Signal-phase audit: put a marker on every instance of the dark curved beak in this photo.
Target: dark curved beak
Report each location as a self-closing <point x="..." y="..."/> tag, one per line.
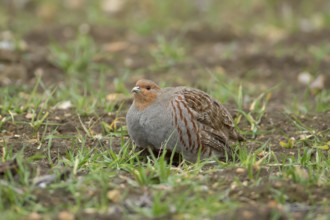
<point x="136" y="89"/>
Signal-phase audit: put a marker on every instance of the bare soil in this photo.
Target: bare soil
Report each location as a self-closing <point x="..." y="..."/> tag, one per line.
<point x="206" y="48"/>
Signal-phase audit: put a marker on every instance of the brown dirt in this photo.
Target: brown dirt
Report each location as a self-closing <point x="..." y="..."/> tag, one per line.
<point x="205" y="50"/>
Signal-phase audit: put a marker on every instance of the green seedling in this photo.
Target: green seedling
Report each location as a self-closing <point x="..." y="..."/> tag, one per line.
<point x="257" y="112"/>
<point x="289" y="144"/>
<point x="38" y="119"/>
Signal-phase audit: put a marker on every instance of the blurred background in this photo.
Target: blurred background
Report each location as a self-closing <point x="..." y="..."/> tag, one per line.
<point x="211" y="44"/>
<point x="66" y="71"/>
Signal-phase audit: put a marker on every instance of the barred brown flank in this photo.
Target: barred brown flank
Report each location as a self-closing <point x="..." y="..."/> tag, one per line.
<point x="173" y="113"/>
<point x="188" y="132"/>
<point x="185" y="124"/>
<point x="176" y="125"/>
<point x="194" y="125"/>
<point x="180" y="110"/>
<point x="191" y="115"/>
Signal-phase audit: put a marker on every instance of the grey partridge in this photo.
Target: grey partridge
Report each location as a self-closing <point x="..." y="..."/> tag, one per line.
<point x="183" y="119"/>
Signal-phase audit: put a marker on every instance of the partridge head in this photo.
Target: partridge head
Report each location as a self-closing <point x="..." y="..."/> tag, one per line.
<point x="183" y="119"/>
<point x="145" y="93"/>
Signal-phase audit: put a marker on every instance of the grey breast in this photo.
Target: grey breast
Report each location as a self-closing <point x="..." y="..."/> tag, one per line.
<point x="153" y="126"/>
<point x="157" y="122"/>
<point x="135" y="130"/>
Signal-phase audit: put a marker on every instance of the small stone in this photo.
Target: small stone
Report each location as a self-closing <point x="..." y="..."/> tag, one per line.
<point x="233" y="185"/>
<point x="302" y="173"/>
<point x="65" y="215"/>
<point x="114" y="195"/>
<point x="240" y="170"/>
<point x="247" y="214"/>
<point x="272" y="204"/>
<point x="63" y="105"/>
<point x="29" y="115"/>
<point x="34" y="216"/>
<point x="115" y="46"/>
<point x="278" y="185"/>
<point x="39" y="72"/>
<point x="112" y="6"/>
<point x="305" y="78"/>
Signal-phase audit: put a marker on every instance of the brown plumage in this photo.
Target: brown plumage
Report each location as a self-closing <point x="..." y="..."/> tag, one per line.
<point x="180" y="118"/>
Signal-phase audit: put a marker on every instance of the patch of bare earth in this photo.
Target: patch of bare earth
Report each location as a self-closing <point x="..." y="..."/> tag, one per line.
<point x="206" y="51"/>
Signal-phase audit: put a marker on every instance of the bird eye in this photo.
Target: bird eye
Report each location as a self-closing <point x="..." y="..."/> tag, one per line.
<point x="148" y="87"/>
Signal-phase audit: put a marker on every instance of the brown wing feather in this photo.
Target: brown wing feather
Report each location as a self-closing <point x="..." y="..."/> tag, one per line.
<point x="215" y="121"/>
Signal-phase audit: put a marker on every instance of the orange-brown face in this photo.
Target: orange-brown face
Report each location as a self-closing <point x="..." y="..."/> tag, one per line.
<point x="145" y="93"/>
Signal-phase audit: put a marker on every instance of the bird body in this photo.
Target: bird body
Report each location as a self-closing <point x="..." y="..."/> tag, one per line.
<point x="183" y="119"/>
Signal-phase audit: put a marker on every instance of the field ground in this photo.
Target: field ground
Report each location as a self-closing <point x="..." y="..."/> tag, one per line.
<point x="66" y="69"/>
